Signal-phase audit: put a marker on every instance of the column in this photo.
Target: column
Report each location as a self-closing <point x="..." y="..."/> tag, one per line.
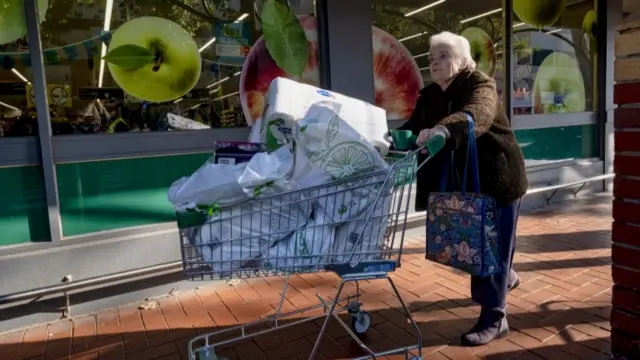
<point x="625" y="315"/>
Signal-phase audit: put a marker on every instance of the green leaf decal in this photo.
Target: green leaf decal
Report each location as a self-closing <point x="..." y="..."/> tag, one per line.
<point x="332" y="130"/>
<point x="284" y="37"/>
<point x="304" y="128"/>
<point x="130" y="57"/>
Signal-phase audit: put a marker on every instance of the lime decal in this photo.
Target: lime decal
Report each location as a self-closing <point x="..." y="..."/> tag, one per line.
<point x="284" y="37"/>
<point x="130" y="57"/>
<point x="348" y="159"/>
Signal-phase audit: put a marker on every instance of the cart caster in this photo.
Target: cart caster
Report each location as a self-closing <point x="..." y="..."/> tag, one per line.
<point x="361" y="322"/>
<point x="416" y="358"/>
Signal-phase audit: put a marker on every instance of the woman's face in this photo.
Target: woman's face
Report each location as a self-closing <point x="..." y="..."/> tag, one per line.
<point x="442" y="64"/>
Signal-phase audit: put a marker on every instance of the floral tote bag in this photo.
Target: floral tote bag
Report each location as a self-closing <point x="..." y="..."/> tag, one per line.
<point x="462" y="227"/>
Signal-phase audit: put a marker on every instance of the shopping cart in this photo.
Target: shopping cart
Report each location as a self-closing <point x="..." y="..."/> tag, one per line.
<point x="357" y="244"/>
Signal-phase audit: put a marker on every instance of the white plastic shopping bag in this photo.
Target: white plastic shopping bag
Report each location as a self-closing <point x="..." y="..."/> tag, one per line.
<point x="210" y="184"/>
<point x="302" y="250"/>
<point x="369" y="245"/>
<point x="333" y="146"/>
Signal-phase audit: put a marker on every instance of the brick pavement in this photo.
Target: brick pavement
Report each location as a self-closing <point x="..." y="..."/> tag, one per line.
<point x="560" y="311"/>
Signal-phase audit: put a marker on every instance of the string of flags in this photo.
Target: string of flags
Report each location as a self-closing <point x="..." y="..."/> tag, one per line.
<point x="87" y="49"/>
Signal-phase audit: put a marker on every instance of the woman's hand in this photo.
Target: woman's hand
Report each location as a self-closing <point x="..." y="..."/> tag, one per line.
<point x="428" y="134"/>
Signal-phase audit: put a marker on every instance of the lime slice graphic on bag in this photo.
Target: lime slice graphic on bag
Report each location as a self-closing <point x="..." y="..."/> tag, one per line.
<point x="348" y="159"/>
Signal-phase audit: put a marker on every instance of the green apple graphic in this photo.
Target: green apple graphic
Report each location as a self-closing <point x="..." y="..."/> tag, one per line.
<point x="13" y="25"/>
<point x="539" y="13"/>
<point x="560" y="82"/>
<point x="154" y="59"/>
<point x="590" y="24"/>
<point x="482" y="49"/>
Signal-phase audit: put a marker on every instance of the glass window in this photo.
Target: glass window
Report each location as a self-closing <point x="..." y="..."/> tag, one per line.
<point x="16" y="108"/>
<point x="401" y="35"/>
<point x="554" y="57"/>
<point x="179" y="65"/>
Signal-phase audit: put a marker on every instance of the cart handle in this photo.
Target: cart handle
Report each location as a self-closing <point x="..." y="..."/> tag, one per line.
<point x="432" y="147"/>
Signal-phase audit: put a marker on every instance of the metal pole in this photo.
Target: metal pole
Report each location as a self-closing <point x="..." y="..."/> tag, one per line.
<point x="507" y="57"/>
<point x="322" y="21"/>
<point x="44" y="122"/>
<point x="155" y="270"/>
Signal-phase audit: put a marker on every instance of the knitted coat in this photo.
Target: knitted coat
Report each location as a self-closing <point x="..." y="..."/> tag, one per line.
<point x="503" y="175"/>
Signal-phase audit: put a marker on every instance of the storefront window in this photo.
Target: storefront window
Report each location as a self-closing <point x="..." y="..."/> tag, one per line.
<point x="554" y="57"/>
<point x="401" y="43"/>
<point x="16" y="115"/>
<point x="177" y="65"/>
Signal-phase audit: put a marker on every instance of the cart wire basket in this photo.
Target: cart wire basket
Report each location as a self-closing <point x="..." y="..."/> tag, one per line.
<point x="353" y="227"/>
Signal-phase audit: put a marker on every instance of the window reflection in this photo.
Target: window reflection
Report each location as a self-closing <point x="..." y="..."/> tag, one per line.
<point x="401" y="43"/>
<point x="554" y="58"/>
<point x="211" y="76"/>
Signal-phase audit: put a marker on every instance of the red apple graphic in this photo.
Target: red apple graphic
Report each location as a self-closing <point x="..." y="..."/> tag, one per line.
<point x="397" y="78"/>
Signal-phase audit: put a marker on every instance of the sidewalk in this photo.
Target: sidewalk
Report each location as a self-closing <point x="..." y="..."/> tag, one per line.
<point x="560" y="311"/>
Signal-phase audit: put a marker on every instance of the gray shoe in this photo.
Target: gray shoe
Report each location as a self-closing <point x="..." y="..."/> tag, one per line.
<point x="491" y="325"/>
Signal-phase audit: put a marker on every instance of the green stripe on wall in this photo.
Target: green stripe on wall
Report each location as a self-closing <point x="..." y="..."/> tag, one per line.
<point x="23" y="213"/>
<point x="113" y="194"/>
<point x="559" y="143"/>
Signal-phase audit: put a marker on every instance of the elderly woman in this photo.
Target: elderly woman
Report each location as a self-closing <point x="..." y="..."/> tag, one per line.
<point x="457" y="90"/>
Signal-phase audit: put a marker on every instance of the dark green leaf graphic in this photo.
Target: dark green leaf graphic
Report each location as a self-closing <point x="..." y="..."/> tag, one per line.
<point x="130" y="57"/>
<point x="284" y="37"/>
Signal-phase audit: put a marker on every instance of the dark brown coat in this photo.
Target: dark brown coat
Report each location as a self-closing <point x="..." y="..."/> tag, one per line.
<point x="501" y="162"/>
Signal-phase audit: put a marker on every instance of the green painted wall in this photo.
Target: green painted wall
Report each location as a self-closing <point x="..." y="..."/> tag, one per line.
<point x="106" y="195"/>
<point x="570" y="142"/>
<point x="112" y="194"/>
<point x="23" y="214"/>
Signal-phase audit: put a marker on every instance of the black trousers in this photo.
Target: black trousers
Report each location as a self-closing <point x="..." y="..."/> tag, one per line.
<point x="491" y="292"/>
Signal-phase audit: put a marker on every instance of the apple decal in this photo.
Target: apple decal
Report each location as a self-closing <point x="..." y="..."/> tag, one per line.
<point x="558" y="86"/>
<point x="153" y="59"/>
<point x="539" y="13"/>
<point x="590" y="24"/>
<point x="13" y="25"/>
<point x="397" y="78"/>
<point x="482" y="49"/>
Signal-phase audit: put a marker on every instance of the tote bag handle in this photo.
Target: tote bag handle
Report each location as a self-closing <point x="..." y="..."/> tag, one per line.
<point x="471" y="161"/>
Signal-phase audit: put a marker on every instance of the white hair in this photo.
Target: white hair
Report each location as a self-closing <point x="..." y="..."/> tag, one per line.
<point x="459" y="46"/>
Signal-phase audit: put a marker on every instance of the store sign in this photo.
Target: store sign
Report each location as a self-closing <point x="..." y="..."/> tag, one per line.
<point x="58" y="95"/>
<point x="233" y="41"/>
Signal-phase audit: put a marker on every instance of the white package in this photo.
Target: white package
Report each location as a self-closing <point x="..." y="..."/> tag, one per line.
<point x="304" y="249"/>
<point x="265" y="168"/>
<point x="288" y="101"/>
<point x="335" y="147"/>
<point x="210" y="184"/>
<point x="236" y="235"/>
<point x="373" y="233"/>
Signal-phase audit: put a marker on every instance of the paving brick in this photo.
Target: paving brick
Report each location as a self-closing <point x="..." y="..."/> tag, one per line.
<point x="560" y="311"/>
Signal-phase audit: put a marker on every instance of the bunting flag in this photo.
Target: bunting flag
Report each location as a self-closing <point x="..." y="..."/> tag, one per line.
<point x="82" y="50"/>
<point x="87" y="49"/>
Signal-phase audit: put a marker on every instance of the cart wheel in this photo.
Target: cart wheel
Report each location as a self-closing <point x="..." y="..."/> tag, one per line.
<point x="416" y="358"/>
<point x="361" y="322"/>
